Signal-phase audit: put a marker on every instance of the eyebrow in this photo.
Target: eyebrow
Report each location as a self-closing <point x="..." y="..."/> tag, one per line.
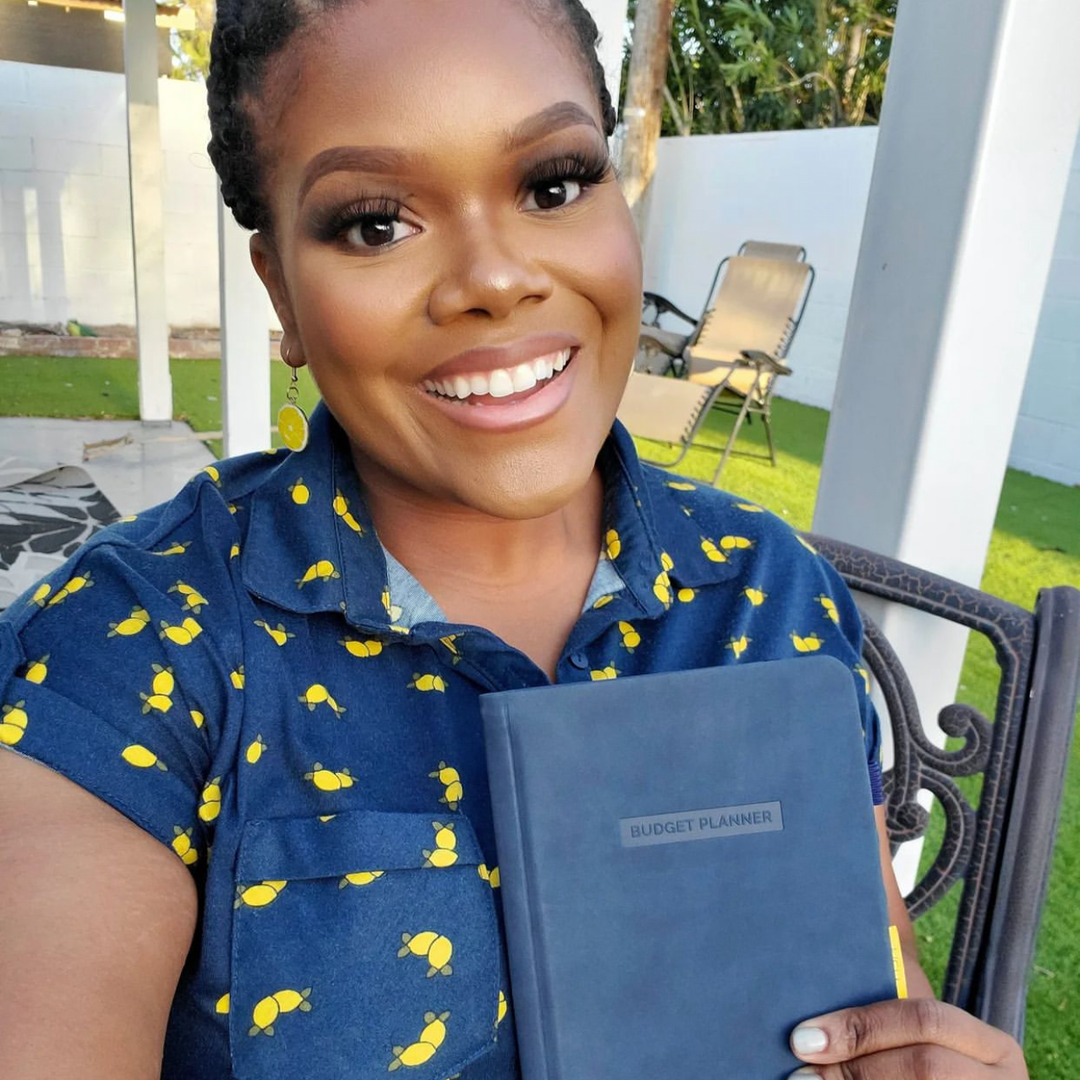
<point x="388" y="160"/>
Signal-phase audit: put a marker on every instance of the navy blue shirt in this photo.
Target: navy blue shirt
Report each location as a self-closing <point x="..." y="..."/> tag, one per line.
<point x="248" y="675"/>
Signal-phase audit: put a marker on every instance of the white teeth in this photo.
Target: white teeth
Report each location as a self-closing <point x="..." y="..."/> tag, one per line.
<point x="503" y="381"/>
<point x="500" y="384"/>
<point x="524" y="377"/>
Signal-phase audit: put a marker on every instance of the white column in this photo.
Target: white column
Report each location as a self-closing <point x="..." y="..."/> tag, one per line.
<point x="245" y="336"/>
<point x="972" y="162"/>
<point x="147" y="209"/>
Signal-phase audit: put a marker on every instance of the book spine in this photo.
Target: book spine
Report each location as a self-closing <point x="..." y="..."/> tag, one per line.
<point x="524" y="948"/>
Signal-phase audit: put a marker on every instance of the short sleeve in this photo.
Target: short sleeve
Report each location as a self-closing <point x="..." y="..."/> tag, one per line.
<point x="111" y="674"/>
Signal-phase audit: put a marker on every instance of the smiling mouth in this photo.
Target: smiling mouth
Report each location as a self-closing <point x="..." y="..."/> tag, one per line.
<point x="487" y="387"/>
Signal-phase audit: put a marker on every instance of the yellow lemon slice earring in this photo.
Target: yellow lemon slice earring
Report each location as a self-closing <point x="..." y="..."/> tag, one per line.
<point x="292" y="420"/>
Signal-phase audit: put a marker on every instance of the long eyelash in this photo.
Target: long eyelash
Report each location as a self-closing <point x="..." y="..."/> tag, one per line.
<point x="584" y="167"/>
<point x="331" y="225"/>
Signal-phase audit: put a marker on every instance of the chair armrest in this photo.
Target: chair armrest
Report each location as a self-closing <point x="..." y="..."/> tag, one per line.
<point x="664" y="306"/>
<point x="763" y="361"/>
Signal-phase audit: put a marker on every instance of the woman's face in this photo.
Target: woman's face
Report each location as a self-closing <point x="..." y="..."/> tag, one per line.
<point x="447" y="224"/>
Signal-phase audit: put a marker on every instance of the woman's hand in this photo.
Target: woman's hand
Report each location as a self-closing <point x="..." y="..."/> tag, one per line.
<point x="915" y="1039"/>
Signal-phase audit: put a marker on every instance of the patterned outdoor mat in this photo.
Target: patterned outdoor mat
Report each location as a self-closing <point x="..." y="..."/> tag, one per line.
<point x="44" y="517"/>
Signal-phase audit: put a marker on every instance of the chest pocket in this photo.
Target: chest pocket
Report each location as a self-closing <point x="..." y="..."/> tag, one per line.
<point x="363" y="943"/>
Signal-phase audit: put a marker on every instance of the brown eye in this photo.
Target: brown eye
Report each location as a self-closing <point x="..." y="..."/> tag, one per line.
<point x="553" y="194"/>
<point x="373" y="232"/>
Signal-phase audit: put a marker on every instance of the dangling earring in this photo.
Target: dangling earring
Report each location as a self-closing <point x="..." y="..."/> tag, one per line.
<point x="292" y="421"/>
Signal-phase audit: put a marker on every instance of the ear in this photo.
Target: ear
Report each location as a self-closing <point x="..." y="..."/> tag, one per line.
<point x="267" y="263"/>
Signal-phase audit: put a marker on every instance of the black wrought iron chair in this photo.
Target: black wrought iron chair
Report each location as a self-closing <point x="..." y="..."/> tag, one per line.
<point x="1001" y="849"/>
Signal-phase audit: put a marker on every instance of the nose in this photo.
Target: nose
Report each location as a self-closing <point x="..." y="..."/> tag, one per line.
<point x="488" y="275"/>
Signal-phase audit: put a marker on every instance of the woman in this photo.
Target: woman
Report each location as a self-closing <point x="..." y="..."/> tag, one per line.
<point x="246" y="824"/>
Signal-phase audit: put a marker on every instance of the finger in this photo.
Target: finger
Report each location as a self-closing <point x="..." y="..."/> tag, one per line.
<point x="922" y="1062"/>
<point x="887" y="1025"/>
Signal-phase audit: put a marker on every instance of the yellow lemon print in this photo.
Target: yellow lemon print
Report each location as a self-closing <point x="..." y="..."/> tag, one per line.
<point x="183" y="634"/>
<point x="292" y="426"/>
<point x="210" y="806"/>
<point x="299" y="492"/>
<point x="452" y="781"/>
<point x="393" y="610"/>
<point x="755" y="596"/>
<point x="865" y="676"/>
<point x="612" y="544"/>
<point x="662" y="588"/>
<point x="255" y="750"/>
<point x="631" y="639"/>
<point x="40" y="594"/>
<point x="431" y="945"/>
<point x="212" y="472"/>
<point x="829" y="604"/>
<point x="712" y="552"/>
<point x="738" y="645"/>
<point x="164" y="681"/>
<point x="341" y="508"/>
<point x="503" y="1005"/>
<point x="431" y="1038"/>
<point x="323" y="570"/>
<point x="483" y="871"/>
<point x="327" y="779"/>
<point x="494" y="878"/>
<point x="177" y="547"/>
<point x="161" y="703"/>
<point x="750" y="508"/>
<point x="602" y="601"/>
<point x="132" y="625"/>
<point x="237" y="677"/>
<point x="735" y="543"/>
<point x="685" y="595"/>
<point x="258" y="895"/>
<point x="445" y="844"/>
<point x="810" y="643"/>
<point x="317" y="694"/>
<point x="221" y="1007"/>
<point x="666" y="562"/>
<point x="599" y="674"/>
<point x="278" y="634"/>
<point x="809" y="547"/>
<point x="448" y="641"/>
<point x="327" y="817"/>
<point x="37" y="670"/>
<point x="270" y="1008"/>
<point x="183" y="847"/>
<point x="362" y="649"/>
<point x="427" y="682"/>
<point x="681" y="485"/>
<point x="193" y="599"/>
<point x="360" y="878"/>
<point x="141" y="758"/>
<point x="234" y="551"/>
<point x="13" y="721"/>
<point x="76" y="584"/>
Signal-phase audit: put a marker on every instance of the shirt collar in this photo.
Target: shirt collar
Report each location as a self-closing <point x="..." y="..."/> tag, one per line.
<point x="311" y="546"/>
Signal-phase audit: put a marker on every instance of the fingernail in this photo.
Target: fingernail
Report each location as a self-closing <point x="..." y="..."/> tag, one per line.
<point x="809" y="1040"/>
<point x="804" y="1074"/>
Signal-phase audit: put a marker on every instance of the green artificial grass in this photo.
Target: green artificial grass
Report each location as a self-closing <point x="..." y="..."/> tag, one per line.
<point x="1036" y="542"/>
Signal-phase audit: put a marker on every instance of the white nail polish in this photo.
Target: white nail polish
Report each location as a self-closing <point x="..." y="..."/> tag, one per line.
<point x="809" y="1040"/>
<point x="804" y="1074"/>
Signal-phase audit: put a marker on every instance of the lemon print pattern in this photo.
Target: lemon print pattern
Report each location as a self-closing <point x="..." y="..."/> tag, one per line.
<point x="444" y="853"/>
<point x="491" y="876"/>
<point x="13" y="723"/>
<point x="36" y="670"/>
<point x="757" y="597"/>
<point x="299" y="492"/>
<point x="631" y="639"/>
<point x="193" y="599"/>
<point x="259" y="895"/>
<point x="612" y="544"/>
<point x="179" y="633"/>
<point x="76" y="584"/>
<point x="431" y="1038"/>
<point x="161" y="687"/>
<point x="360" y="878"/>
<point x="177" y="547"/>
<point x="277" y="634"/>
<point x="712" y="552"/>
<point x="829" y="606"/>
<point x="738" y="645"/>
<point x="448" y="776"/>
<point x="141" y="758"/>
<point x="210" y="802"/>
<point x="255" y="750"/>
<point x="40" y="594"/>
<point x="268" y="1009"/>
<point x="341" y="508"/>
<point x="602" y="601"/>
<point x="810" y="643"/>
<point x="500" y="1014"/>
<point x="183" y="846"/>
<point x="608" y="672"/>
<point x="681" y="485"/>
<point x="861" y="671"/>
<point x="433" y="946"/>
<point x="328" y="779"/>
<point x="317" y="694"/>
<point x="221" y="1006"/>
<point x="323" y="570"/>
<point x="428" y="682"/>
<point x="237" y="678"/>
<point x="361" y="649"/>
<point x="135" y="623"/>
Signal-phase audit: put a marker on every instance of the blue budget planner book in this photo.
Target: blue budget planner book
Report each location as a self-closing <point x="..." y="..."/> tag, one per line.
<point x="689" y="867"/>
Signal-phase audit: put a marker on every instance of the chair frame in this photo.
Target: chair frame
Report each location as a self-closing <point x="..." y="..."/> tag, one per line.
<point x="1001" y="850"/>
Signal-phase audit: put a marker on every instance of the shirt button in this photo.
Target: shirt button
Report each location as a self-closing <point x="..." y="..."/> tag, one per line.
<point x="579" y="660"/>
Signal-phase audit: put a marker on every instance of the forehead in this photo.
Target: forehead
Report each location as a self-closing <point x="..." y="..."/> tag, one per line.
<point x="423" y="75"/>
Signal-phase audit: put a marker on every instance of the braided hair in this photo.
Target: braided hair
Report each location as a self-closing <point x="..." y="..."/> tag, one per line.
<point x="248" y="33"/>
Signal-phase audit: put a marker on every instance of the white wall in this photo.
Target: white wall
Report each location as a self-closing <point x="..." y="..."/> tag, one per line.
<point x="65" y="212"/>
<point x="711" y="192"/>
